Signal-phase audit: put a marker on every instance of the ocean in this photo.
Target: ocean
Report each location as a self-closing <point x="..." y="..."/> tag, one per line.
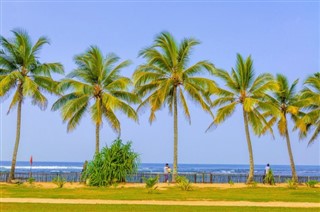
<point x="68" y="167"/>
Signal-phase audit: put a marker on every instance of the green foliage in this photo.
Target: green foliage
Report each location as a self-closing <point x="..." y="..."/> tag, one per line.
<point x="291" y="184"/>
<point x="269" y="178"/>
<point x="96" y="86"/>
<point x="309" y="123"/>
<point x="112" y="164"/>
<point x="252" y="184"/>
<point x="151" y="183"/>
<point x="231" y="183"/>
<point x="312" y="183"/>
<point x="166" y="79"/>
<point x="59" y="181"/>
<point x="247" y="91"/>
<point x="183" y="183"/>
<point x="30" y="180"/>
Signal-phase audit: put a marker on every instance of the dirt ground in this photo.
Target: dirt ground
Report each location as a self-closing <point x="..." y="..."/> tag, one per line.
<point x="156" y="202"/>
<point x="160" y="185"/>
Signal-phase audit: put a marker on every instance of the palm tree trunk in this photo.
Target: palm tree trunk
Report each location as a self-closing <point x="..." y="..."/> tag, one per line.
<point x="16" y="145"/>
<point x="293" y="168"/>
<point x="175" y="136"/>
<point x="97" y="138"/>
<point x="251" y="171"/>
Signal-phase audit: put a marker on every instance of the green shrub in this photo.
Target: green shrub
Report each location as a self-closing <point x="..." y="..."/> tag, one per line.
<point x="291" y="184"/>
<point x="59" y="181"/>
<point x="151" y="183"/>
<point x="269" y="178"/>
<point x="111" y="165"/>
<point x="253" y="184"/>
<point x="30" y="180"/>
<point x="231" y="183"/>
<point x="312" y="183"/>
<point x="183" y="183"/>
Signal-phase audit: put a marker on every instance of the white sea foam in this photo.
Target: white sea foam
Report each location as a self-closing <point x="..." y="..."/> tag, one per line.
<point x="42" y="167"/>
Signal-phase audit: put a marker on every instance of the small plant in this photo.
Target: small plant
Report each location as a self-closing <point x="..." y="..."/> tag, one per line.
<point x="291" y="184"/>
<point x="115" y="182"/>
<point x="151" y="183"/>
<point x="311" y="183"/>
<point x="59" y="181"/>
<point x="269" y="178"/>
<point x="183" y="183"/>
<point x="231" y="183"/>
<point x="253" y="184"/>
<point x="30" y="180"/>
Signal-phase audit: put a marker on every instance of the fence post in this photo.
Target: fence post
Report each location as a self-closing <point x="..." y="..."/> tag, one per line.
<point x="210" y="177"/>
<point x="195" y="178"/>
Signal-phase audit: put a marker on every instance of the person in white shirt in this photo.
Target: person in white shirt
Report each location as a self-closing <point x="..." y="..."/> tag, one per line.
<point x="166" y="171"/>
<point x="266" y="171"/>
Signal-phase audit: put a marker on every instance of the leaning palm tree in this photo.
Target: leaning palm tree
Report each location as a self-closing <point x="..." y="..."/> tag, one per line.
<point x="166" y="79"/>
<point x="311" y="119"/>
<point x="245" y="90"/>
<point x="286" y="102"/>
<point x="99" y="83"/>
<point x="21" y="70"/>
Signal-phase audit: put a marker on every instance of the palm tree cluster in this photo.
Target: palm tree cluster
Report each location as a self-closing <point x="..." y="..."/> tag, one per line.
<point x="165" y="79"/>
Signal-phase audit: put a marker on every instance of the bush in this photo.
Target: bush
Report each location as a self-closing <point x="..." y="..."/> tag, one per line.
<point x="269" y="178"/>
<point x="291" y="184"/>
<point x="183" y="183"/>
<point x="151" y="183"/>
<point x="59" y="181"/>
<point x="30" y="180"/>
<point x="111" y="165"/>
<point x="231" y="183"/>
<point x="253" y="184"/>
<point x="312" y="183"/>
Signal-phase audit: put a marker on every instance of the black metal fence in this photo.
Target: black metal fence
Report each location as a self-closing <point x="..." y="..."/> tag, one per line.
<point x="138" y="178"/>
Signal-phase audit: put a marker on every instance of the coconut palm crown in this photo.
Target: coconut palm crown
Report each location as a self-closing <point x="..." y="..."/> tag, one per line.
<point x="99" y="88"/>
<point x="166" y="79"/>
<point x="21" y="72"/>
<point x="244" y="89"/>
<point x="310" y="122"/>
<point x="286" y="102"/>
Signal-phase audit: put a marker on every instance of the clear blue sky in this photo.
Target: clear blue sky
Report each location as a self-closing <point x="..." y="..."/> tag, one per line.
<point x="282" y="37"/>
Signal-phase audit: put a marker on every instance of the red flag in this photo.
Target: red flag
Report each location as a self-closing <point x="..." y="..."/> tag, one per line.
<point x="31" y="160"/>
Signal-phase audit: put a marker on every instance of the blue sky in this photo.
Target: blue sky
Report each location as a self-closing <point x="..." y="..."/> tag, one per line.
<point x="281" y="36"/>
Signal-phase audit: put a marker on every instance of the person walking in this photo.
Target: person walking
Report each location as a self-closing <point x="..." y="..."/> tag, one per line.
<point x="266" y="171"/>
<point x="166" y="171"/>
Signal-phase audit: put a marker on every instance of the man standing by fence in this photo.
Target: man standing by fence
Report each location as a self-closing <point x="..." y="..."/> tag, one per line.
<point x="166" y="171"/>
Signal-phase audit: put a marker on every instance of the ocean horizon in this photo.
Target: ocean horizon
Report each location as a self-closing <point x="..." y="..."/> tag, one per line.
<point x="67" y="167"/>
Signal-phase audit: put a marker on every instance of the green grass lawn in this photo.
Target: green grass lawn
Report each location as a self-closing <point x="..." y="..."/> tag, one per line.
<point x="257" y="194"/>
<point x="28" y="207"/>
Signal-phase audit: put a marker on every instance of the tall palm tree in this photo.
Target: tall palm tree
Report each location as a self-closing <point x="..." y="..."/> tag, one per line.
<point x="286" y="102"/>
<point x="166" y="79"/>
<point x="99" y="83"/>
<point x="311" y="119"/>
<point x="21" y="70"/>
<point x="245" y="90"/>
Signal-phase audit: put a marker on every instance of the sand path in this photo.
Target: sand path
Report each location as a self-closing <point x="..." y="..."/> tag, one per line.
<point x="155" y="202"/>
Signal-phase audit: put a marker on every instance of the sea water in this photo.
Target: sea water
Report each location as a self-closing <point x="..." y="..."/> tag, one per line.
<point x="67" y="167"/>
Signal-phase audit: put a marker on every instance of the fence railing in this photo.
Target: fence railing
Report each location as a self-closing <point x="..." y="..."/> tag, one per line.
<point x="138" y="178"/>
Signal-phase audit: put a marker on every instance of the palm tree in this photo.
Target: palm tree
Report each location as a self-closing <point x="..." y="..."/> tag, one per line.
<point x="248" y="91"/>
<point x="285" y="101"/>
<point x="21" y="70"/>
<point x="99" y="82"/>
<point x="166" y="79"/>
<point x="311" y="119"/>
